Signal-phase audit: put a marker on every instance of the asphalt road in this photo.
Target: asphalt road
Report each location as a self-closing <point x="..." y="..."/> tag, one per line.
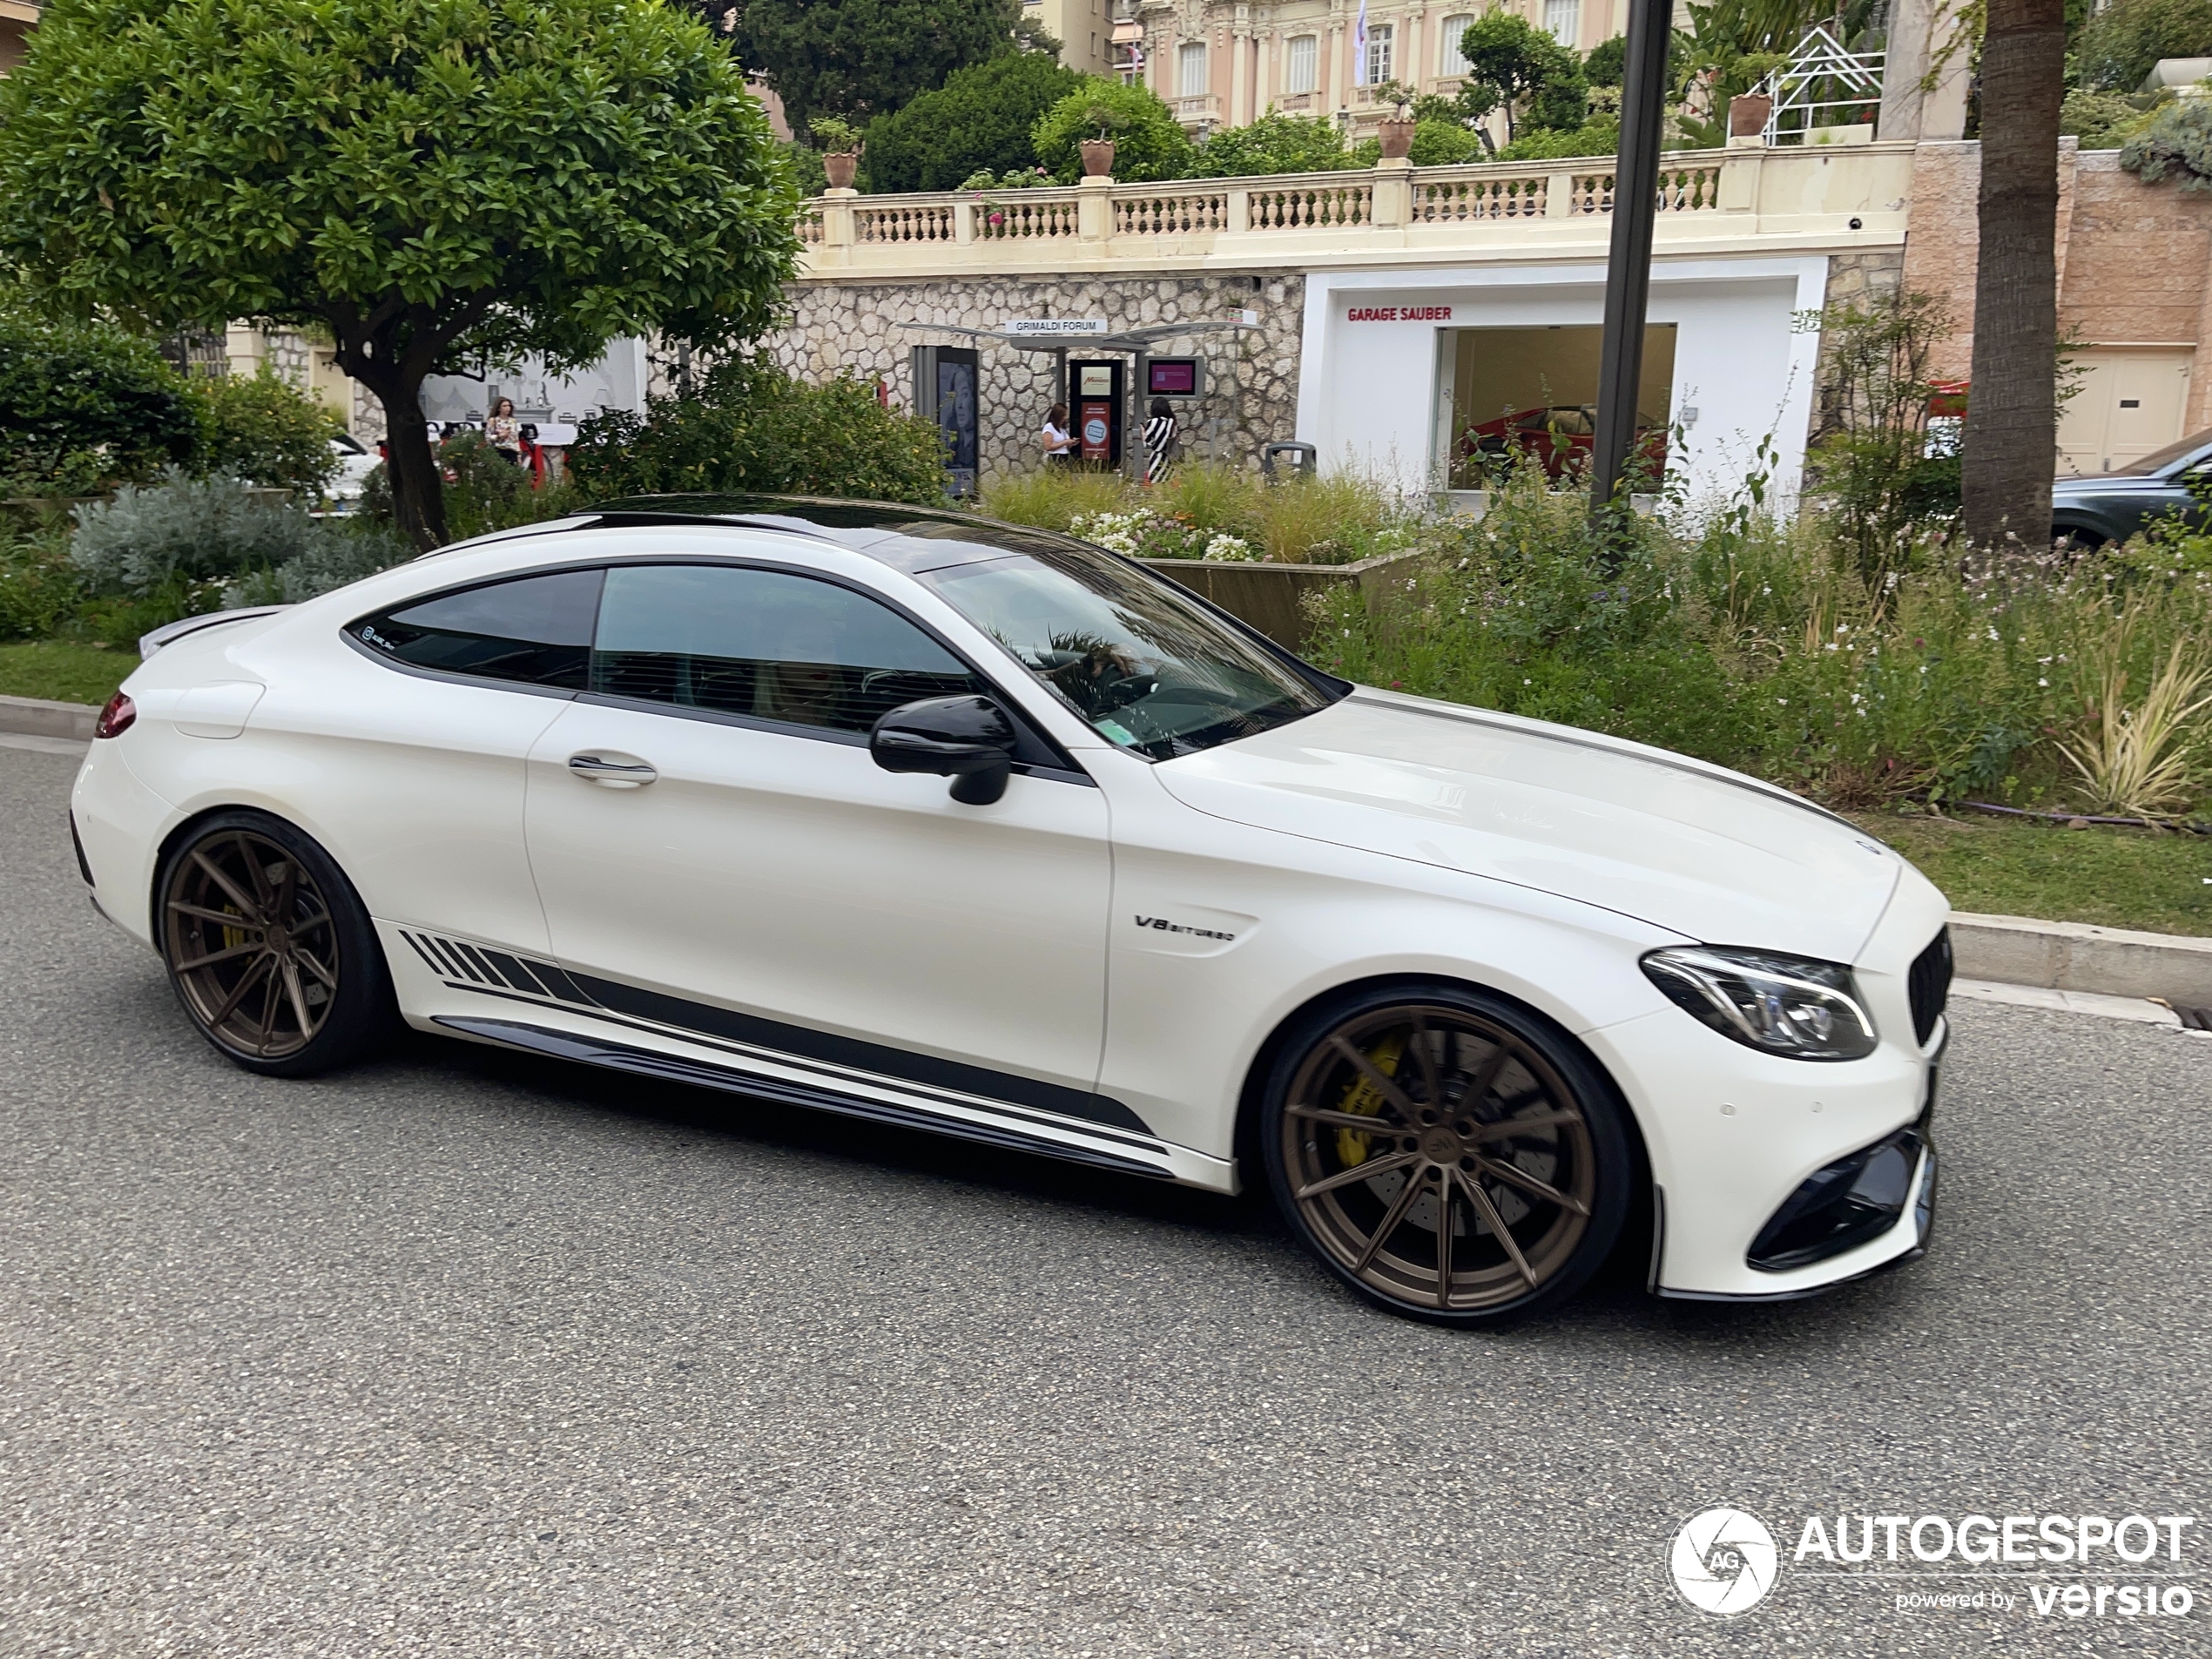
<point x="459" y="1354"/>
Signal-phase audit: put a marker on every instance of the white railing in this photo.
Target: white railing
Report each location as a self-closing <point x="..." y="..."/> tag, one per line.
<point x="1308" y="201"/>
<point x="1163" y="210"/>
<point x="1023" y="213"/>
<point x="903" y="219"/>
<point x="1392" y="206"/>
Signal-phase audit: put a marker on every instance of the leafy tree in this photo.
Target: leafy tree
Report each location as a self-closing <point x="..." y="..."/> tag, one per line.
<point x="1607" y="62"/>
<point x="85" y="406"/>
<point x="1601" y="137"/>
<point x="753" y="427"/>
<point x="439" y="183"/>
<point x="1149" y="142"/>
<point x="2120" y="46"/>
<point x="1275" y="142"/>
<point x="1515" y="66"/>
<point x="1445" y="143"/>
<point x="978" y="121"/>
<point x="264" y="431"/>
<point x="867" y="57"/>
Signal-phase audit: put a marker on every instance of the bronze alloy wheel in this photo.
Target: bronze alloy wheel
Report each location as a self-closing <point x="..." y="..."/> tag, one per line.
<point x="250" y="943"/>
<point x="1439" y="1158"/>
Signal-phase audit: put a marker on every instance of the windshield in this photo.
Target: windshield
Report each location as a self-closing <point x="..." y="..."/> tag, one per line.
<point x="2158" y="459"/>
<point x="1146" y="667"/>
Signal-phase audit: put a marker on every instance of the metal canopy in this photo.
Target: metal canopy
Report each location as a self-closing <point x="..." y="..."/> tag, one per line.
<point x="1136" y="342"/>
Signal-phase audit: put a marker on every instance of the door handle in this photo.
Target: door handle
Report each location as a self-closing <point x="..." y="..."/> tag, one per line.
<point x="617" y="774"/>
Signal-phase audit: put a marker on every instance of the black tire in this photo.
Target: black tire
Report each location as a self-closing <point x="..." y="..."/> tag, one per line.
<point x="1489" y="1062"/>
<point x="269" y="948"/>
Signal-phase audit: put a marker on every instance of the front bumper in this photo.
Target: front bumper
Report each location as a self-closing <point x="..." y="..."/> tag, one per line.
<point x="1732" y="1134"/>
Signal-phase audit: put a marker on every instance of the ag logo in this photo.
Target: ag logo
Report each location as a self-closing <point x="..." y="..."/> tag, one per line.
<point x="1723" y="1562"/>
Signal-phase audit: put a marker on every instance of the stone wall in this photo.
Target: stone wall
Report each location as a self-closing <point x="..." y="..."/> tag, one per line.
<point x="867" y="328"/>
<point x="2133" y="259"/>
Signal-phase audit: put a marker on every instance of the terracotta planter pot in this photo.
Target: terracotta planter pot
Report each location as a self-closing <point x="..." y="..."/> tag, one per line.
<point x="839" y="166"/>
<point x="1397" y="137"/>
<point x="1098" y="158"/>
<point x="1746" y="115"/>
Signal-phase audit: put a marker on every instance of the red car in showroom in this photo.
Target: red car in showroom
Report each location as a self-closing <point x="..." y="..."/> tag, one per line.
<point x="1559" y="436"/>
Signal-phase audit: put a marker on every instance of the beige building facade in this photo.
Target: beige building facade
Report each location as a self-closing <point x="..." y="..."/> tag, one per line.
<point x="1083" y="27"/>
<point x="1225" y="62"/>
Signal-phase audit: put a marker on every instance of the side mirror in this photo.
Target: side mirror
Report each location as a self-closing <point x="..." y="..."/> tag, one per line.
<point x="969" y="739"/>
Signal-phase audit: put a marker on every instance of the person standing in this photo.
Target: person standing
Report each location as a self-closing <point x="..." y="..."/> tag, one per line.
<point x="1161" y="449"/>
<point x="1059" y="441"/>
<point x="504" y="432"/>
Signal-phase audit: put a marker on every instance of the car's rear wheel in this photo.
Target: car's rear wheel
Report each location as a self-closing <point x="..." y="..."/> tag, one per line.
<point x="269" y="948"/>
<point x="1445" y="1153"/>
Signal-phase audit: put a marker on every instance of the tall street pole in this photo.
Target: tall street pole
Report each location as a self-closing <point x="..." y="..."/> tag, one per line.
<point x="1627" y="275"/>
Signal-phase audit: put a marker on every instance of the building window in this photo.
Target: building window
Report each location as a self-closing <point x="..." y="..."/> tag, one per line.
<point x="1378" y="53"/>
<point x="1192" y="59"/>
<point x="1563" y="20"/>
<point x="1303" y="73"/>
<point x="1450" y="61"/>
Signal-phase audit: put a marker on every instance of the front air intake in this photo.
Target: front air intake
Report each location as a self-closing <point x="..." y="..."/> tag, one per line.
<point x="1928" y="983"/>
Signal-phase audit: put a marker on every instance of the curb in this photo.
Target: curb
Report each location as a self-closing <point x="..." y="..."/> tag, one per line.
<point x="35" y="716"/>
<point x="2012" y="950"/>
<point x="2074" y="956"/>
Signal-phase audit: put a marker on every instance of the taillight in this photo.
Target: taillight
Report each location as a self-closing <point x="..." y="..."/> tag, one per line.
<point x="115" y="719"/>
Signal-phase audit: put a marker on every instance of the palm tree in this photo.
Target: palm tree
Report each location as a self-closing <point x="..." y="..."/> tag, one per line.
<point x="2012" y="415"/>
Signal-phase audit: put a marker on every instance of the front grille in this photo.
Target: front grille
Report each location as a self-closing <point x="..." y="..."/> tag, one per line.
<point x="1929" y="984"/>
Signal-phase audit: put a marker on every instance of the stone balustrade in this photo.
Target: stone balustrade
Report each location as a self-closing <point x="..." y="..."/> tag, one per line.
<point x="1734" y="200"/>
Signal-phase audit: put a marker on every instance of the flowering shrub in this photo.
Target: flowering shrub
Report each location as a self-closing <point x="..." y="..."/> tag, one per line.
<point x="1144" y="533"/>
<point x="1947" y="676"/>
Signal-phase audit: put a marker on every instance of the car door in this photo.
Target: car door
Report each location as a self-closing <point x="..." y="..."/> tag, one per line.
<point x="716" y="850"/>
<point x="408" y="753"/>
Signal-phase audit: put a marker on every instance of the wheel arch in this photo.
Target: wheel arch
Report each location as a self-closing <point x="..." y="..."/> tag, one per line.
<point x="1246" y="1138"/>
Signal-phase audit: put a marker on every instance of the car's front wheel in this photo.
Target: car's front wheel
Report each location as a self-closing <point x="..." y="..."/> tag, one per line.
<point x="1445" y="1153"/>
<point x="269" y="948"/>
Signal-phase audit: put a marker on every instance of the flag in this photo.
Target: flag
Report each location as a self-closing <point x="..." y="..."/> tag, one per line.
<point x="1359" y="47"/>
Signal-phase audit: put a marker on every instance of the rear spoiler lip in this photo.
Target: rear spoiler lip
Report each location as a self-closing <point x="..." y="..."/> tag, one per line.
<point x="170" y="633"/>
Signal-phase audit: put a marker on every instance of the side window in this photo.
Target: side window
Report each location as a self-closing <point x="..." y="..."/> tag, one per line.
<point x="762" y="643"/>
<point x="534" y="629"/>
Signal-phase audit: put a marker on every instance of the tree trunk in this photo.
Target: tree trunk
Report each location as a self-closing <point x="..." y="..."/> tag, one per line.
<point x="418" y="487"/>
<point x="2011" y="409"/>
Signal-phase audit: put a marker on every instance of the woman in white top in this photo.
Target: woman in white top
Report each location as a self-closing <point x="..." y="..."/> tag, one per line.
<point x="1160" y="454"/>
<point x="1059" y="442"/>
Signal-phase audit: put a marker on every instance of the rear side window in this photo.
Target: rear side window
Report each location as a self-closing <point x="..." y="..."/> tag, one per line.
<point x="764" y="645"/>
<point x="533" y="631"/>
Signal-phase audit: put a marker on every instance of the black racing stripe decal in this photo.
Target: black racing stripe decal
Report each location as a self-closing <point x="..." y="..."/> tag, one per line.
<point x="468" y="953"/>
<point x="456" y="965"/>
<point x="861" y="1056"/>
<point x="514" y="971"/>
<point x="562" y="986"/>
<point x="436" y="966"/>
<point x="838" y="1078"/>
<point x="644" y="1062"/>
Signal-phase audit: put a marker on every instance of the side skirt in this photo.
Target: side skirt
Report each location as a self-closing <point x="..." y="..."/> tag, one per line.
<point x="617" y="1056"/>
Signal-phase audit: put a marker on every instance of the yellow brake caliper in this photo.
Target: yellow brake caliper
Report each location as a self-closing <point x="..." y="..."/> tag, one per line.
<point x="1363" y="1099"/>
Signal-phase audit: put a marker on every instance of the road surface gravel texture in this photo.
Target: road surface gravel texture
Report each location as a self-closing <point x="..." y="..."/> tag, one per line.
<point x="467" y="1354"/>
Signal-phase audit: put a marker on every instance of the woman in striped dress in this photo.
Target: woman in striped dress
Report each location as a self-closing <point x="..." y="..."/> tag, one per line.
<point x="1160" y="445"/>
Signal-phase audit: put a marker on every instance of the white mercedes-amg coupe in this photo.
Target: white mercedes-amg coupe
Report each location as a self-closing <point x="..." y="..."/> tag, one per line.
<point x="663" y="787"/>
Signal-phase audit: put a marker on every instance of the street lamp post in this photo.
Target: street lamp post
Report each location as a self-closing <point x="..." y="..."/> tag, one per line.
<point x="1628" y="276"/>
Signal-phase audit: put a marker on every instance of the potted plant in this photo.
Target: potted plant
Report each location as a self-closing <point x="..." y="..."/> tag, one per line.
<point x="1098" y="152"/>
<point x="1396" y="132"/>
<point x="839" y="142"/>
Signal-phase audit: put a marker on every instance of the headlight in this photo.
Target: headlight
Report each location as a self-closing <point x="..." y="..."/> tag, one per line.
<point x="1784" y="1005"/>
